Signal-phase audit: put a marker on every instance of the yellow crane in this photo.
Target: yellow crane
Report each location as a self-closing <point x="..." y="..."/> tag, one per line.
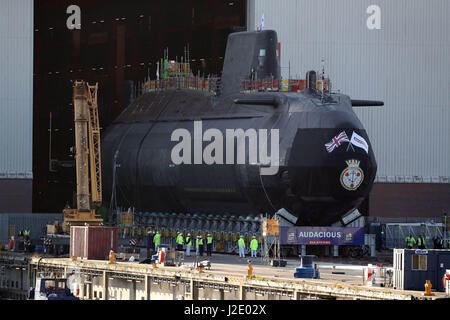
<point x="87" y="158"/>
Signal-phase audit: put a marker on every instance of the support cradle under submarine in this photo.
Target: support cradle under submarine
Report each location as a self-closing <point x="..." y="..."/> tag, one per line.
<point x="322" y="173"/>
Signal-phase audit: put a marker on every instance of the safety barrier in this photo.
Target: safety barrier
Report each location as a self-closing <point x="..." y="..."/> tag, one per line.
<point x="225" y="230"/>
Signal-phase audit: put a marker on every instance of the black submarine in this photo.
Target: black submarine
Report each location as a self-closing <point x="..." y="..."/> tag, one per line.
<point x="306" y="152"/>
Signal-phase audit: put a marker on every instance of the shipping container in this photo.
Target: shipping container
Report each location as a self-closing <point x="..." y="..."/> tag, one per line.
<point x="95" y="243"/>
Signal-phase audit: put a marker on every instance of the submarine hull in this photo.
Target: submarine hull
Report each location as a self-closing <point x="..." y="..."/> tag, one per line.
<point x="309" y="180"/>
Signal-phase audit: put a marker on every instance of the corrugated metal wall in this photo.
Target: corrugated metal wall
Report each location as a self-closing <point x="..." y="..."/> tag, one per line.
<point x="12" y="223"/>
<point x="16" y="89"/>
<point x="406" y="64"/>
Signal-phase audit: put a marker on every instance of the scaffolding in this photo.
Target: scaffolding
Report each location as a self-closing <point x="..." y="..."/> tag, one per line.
<point x="177" y="74"/>
<point x="271" y="239"/>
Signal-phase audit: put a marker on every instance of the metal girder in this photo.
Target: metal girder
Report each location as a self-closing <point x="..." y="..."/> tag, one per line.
<point x="94" y="146"/>
<point x="87" y="156"/>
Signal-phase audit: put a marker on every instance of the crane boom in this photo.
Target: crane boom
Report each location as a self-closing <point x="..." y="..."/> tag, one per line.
<point x="87" y="157"/>
<point x="94" y="143"/>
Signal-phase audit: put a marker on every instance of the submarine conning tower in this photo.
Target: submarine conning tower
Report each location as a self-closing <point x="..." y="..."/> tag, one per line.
<point x="249" y="56"/>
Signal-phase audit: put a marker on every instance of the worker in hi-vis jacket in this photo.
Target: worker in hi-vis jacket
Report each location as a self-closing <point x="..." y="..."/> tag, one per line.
<point x="241" y="244"/>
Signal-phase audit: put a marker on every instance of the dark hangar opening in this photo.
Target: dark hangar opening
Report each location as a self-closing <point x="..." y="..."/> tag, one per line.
<point x="118" y="45"/>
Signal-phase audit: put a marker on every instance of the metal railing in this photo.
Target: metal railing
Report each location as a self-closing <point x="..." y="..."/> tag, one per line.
<point x="210" y="84"/>
<point x="271" y="84"/>
<point x="397" y="232"/>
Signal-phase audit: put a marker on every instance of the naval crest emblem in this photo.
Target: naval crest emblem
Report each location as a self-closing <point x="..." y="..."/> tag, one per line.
<point x="352" y="176"/>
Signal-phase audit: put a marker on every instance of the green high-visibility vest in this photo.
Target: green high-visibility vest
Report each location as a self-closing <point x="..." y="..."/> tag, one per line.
<point x="180" y="239"/>
<point x="188" y="241"/>
<point x="199" y="243"/>
<point x="157" y="239"/>
<point x="241" y="242"/>
<point x="420" y="241"/>
<point x="254" y="244"/>
<point x="209" y="240"/>
<point x="410" y="241"/>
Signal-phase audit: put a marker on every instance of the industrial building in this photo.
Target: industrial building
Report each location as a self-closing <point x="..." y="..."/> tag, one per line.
<point x="16" y="94"/>
<point x="403" y="62"/>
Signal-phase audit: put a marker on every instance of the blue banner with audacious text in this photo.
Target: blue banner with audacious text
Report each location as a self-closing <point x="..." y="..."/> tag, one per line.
<point x="322" y="235"/>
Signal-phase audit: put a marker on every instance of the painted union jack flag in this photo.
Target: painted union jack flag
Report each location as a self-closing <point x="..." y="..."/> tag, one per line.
<point x="336" y="141"/>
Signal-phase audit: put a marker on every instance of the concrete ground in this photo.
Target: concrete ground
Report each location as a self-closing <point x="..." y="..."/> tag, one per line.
<point x="333" y="270"/>
<point x="350" y="272"/>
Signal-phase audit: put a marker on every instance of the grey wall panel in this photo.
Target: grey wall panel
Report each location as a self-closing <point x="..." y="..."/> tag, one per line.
<point x="35" y="222"/>
<point x="406" y="64"/>
<point x="15" y="195"/>
<point x="4" y="229"/>
<point x="16" y="88"/>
